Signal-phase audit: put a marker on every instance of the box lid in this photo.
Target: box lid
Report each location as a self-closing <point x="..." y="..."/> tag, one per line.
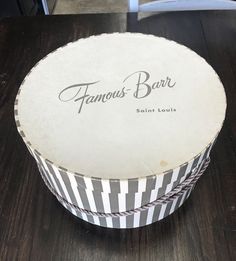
<point x="121" y="106"/>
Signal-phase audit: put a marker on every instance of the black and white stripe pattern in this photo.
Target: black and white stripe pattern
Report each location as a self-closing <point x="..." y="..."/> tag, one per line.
<point x="145" y="215"/>
<point x="139" y="219"/>
<point x="109" y="196"/>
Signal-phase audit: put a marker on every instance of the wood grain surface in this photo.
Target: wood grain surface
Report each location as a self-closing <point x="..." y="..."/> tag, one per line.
<point x="34" y="226"/>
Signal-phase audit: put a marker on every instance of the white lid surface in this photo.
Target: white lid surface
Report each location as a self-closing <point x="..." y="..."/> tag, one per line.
<point x="96" y="106"/>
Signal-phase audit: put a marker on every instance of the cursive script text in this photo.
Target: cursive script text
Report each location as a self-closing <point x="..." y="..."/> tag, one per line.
<point x="138" y="81"/>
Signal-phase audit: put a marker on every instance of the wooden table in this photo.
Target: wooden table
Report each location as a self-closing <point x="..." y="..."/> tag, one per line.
<point x="34" y="226"/>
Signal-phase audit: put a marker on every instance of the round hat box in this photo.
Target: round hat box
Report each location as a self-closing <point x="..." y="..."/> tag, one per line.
<point x="121" y="125"/>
